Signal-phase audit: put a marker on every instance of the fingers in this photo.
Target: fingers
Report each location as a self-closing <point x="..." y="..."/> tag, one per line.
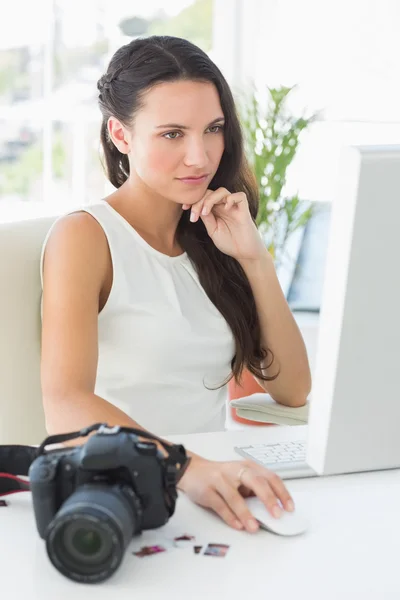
<point x="196" y="211"/>
<point x="269" y="487"/>
<point x="197" y="208"/>
<point x="211" y="198"/>
<point x="221" y="196"/>
<point x="223" y="489"/>
<point x="260" y="485"/>
<point x="218" y="505"/>
<point x="237" y="505"/>
<point x="281" y="491"/>
<point x="230" y="202"/>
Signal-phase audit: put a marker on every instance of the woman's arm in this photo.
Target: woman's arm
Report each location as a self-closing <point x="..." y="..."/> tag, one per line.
<point x="75" y="269"/>
<point x="280" y="333"/>
<point x="229" y="224"/>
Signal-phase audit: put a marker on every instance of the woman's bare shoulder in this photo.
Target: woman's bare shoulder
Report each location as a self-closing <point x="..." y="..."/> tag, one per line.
<point x="78" y="238"/>
<point x="76" y="223"/>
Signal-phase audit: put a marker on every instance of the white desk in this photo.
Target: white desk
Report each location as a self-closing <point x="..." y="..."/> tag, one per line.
<point x="352" y="550"/>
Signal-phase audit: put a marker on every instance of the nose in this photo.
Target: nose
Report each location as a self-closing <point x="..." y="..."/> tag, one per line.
<point x="195" y="153"/>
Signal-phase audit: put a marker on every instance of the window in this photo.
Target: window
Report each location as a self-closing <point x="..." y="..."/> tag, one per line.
<point x="49" y="119"/>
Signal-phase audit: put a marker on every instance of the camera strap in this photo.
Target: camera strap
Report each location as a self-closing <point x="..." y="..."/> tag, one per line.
<point x="15" y="460"/>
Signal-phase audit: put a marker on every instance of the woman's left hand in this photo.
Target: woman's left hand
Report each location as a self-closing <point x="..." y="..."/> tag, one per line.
<point x="229" y="224"/>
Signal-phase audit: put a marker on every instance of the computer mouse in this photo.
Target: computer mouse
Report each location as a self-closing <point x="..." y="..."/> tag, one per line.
<point x="290" y="523"/>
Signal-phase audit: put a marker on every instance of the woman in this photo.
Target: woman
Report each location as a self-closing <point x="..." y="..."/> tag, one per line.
<point x="155" y="296"/>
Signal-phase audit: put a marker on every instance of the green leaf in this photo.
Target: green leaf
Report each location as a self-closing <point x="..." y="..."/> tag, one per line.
<point x="272" y="136"/>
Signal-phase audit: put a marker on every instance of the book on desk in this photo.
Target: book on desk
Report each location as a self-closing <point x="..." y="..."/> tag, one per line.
<point x="263" y="408"/>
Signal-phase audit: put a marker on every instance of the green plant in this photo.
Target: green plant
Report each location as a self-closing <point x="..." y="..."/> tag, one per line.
<point x="272" y="136"/>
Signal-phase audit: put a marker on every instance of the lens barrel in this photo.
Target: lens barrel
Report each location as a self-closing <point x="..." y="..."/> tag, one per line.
<point x="87" y="538"/>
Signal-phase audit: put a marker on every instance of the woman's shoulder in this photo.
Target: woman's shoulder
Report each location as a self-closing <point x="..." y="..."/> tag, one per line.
<point x="79" y="226"/>
<point x="78" y="236"/>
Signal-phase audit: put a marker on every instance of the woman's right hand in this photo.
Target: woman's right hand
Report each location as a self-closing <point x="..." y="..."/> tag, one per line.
<point x="222" y="487"/>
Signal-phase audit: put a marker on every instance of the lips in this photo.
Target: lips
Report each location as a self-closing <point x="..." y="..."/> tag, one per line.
<point x="193" y="177"/>
<point x="194" y="180"/>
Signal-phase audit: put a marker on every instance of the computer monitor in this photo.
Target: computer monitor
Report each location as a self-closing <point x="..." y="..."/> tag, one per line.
<point x="354" y="420"/>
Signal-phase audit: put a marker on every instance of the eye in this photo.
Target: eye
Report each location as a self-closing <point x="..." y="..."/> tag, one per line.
<point x="216" y="128"/>
<point x="172" y="133"/>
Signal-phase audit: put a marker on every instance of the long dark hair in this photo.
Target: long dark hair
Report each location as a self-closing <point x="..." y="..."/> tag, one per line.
<point x="135" y="69"/>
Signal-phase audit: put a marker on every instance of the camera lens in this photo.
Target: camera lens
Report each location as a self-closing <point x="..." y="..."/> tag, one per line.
<point x="87" y="538"/>
<point x="87" y="542"/>
<point x="84" y="542"/>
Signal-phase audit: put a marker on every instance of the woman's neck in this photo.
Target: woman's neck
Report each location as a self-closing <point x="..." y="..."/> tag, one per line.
<point x="154" y="217"/>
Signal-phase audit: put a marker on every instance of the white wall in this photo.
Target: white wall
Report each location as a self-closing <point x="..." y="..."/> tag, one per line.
<point x="344" y="56"/>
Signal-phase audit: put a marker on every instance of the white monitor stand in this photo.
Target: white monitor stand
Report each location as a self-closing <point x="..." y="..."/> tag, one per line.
<point x="354" y="422"/>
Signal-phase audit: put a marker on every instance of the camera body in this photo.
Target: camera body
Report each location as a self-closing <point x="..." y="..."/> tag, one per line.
<point x="90" y="500"/>
<point x="112" y="459"/>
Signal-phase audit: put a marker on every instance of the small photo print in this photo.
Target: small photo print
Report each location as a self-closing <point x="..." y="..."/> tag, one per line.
<point x="184" y="538"/>
<point x="197" y="549"/>
<point x="149" y="550"/>
<point x="183" y="541"/>
<point x="216" y="550"/>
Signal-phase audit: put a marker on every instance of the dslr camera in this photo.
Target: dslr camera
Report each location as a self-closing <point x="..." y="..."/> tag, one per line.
<point x="90" y="500"/>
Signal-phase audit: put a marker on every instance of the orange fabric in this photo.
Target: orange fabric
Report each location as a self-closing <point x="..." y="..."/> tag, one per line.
<point x="248" y="385"/>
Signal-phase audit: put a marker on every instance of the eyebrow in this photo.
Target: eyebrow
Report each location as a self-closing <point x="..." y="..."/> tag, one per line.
<point x="185" y="127"/>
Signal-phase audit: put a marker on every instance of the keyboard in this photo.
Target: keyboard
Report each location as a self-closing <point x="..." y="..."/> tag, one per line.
<point x="287" y="459"/>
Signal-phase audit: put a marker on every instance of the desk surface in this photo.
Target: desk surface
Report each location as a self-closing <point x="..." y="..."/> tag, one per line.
<point x="351" y="550"/>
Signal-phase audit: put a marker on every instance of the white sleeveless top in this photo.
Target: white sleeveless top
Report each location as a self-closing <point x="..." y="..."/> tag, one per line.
<point x="161" y="340"/>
